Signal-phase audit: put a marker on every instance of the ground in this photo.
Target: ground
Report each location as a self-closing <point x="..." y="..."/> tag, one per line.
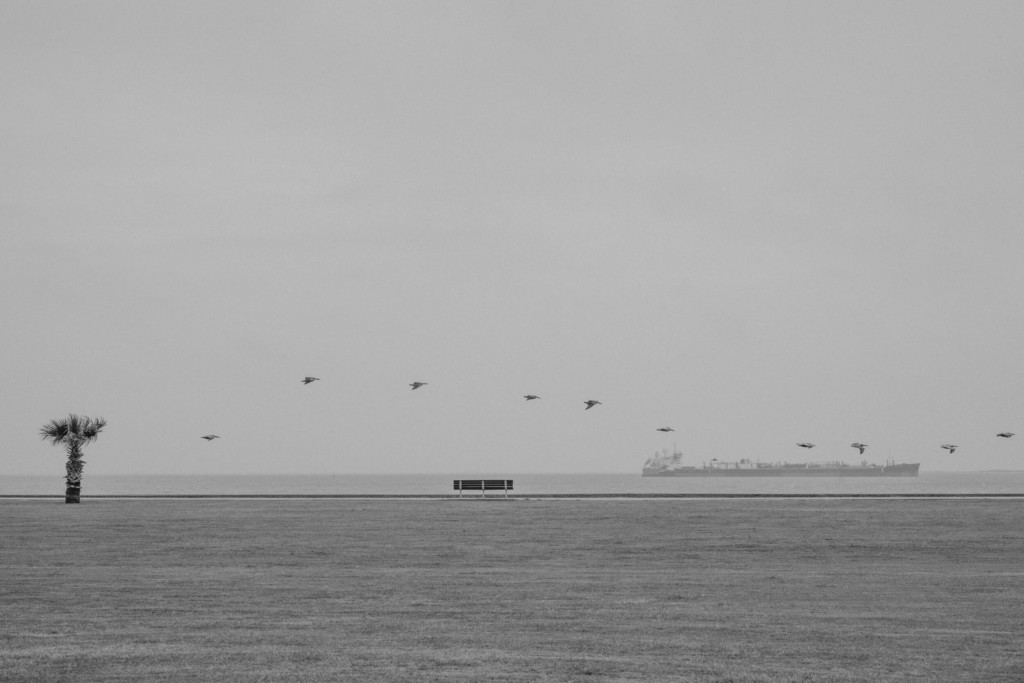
<point x="517" y="590"/>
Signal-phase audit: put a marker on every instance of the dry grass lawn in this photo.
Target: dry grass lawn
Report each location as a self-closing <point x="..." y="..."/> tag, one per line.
<point x="518" y="590"/>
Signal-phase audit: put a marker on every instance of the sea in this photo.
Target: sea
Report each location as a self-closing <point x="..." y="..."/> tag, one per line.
<point x="952" y="483"/>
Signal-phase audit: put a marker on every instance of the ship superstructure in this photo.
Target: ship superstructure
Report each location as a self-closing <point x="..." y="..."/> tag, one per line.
<point x="667" y="464"/>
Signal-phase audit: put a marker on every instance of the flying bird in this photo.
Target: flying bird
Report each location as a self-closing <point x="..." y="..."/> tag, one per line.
<point x="951" y="447"/>
<point x="417" y="385"/>
<point x="1005" y="435"/>
<point x="665" y="429"/>
<point x="591" y="404"/>
<point x="210" y="437"/>
<point x="308" y="380"/>
<point x="805" y="445"/>
<point x="530" y="397"/>
<point x="860" y="447"/>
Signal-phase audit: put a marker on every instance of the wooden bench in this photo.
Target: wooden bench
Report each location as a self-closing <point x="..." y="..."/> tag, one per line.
<point x="482" y="485"/>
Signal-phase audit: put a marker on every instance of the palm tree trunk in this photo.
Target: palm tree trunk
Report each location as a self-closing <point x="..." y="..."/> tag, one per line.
<point x="73" y="490"/>
<point x="73" y="493"/>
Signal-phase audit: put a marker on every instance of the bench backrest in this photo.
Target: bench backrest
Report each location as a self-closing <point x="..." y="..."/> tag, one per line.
<point x="482" y="485"/>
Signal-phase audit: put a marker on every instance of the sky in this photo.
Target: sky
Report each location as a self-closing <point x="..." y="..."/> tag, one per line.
<point x="756" y="223"/>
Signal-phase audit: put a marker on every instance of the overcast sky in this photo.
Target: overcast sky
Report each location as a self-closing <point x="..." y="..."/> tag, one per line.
<point x="758" y="223"/>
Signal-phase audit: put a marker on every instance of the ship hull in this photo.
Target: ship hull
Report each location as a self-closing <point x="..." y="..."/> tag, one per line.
<point x="900" y="470"/>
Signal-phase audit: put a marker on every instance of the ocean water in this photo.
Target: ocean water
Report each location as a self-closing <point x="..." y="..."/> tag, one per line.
<point x="990" y="482"/>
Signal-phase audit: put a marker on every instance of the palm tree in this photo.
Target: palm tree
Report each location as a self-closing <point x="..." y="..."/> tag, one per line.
<point x="73" y="432"/>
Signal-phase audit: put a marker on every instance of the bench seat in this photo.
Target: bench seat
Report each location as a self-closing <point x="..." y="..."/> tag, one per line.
<point x="483" y="485"/>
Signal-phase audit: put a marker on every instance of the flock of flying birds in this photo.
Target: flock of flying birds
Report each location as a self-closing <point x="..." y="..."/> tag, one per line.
<point x="951" y="447"/>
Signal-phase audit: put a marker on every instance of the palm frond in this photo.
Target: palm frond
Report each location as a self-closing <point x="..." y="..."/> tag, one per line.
<point x="91" y="427"/>
<point x="54" y="431"/>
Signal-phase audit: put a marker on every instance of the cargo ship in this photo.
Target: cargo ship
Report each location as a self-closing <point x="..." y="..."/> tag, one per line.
<point x="667" y="464"/>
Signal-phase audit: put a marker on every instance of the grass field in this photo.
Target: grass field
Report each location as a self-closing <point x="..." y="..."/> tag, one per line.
<point x="518" y="590"/>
